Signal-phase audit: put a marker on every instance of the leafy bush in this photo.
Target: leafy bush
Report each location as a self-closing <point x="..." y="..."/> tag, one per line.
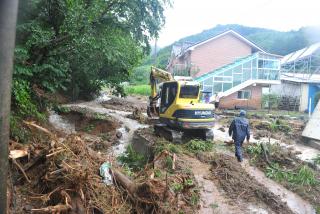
<point x="23" y="103"/>
<point x="163" y="145"/>
<point x="270" y="100"/>
<point x="283" y="126"/>
<point x="132" y="159"/>
<point x="138" y="89"/>
<point x="140" y="75"/>
<point x="18" y="132"/>
<point x="199" y="146"/>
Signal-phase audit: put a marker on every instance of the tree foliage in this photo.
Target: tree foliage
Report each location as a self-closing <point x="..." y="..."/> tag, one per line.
<point x="77" y="46"/>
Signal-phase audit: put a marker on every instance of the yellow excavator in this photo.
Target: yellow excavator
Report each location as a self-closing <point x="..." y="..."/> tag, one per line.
<point x="176" y="103"/>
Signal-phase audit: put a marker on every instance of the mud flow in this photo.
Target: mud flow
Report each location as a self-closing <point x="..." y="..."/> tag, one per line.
<point x="239" y="185"/>
<point x="64" y="174"/>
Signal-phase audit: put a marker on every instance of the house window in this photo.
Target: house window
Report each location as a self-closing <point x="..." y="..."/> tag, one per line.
<point x="244" y="95"/>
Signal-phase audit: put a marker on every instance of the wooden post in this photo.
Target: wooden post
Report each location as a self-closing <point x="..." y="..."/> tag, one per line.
<point x="8" y="17"/>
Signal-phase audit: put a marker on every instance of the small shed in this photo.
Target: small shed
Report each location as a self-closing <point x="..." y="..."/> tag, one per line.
<point x="303" y="87"/>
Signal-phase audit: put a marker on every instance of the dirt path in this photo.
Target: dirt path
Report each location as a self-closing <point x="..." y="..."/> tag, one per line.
<point x="214" y="199"/>
<point x="211" y="199"/>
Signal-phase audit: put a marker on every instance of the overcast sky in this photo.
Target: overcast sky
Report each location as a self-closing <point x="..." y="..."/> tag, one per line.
<point x="188" y="17"/>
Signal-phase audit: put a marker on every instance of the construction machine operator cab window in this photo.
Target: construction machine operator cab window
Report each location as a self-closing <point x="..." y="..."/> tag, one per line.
<point x="189" y="91"/>
<point x="168" y="95"/>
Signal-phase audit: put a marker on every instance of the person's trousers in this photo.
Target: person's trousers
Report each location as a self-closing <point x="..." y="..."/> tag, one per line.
<point x="238" y="148"/>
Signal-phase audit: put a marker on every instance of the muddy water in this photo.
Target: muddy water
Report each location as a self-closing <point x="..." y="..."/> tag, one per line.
<point x="61" y="124"/>
<point x="128" y="126"/>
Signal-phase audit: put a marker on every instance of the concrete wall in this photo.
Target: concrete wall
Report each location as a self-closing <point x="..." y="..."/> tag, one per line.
<point x="231" y="101"/>
<point x="219" y="52"/>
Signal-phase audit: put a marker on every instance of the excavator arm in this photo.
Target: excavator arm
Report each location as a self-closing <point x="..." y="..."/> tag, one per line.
<point x="158" y="75"/>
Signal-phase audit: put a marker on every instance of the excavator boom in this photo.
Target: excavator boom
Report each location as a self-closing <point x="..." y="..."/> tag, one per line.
<point x="158" y="75"/>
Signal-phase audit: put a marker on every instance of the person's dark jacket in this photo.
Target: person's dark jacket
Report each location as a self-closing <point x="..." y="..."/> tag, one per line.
<point x="239" y="129"/>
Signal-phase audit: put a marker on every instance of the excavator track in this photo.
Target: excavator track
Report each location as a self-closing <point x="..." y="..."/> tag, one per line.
<point x="172" y="135"/>
<point x="179" y="136"/>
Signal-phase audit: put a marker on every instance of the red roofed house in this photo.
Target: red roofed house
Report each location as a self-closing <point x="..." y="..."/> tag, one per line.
<point x="230" y="65"/>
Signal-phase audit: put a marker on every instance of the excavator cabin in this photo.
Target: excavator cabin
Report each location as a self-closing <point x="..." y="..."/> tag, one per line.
<point x="177" y="104"/>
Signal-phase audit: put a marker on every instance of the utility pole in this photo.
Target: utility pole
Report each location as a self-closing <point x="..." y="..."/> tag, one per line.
<point x="8" y="18"/>
<point x="155" y="52"/>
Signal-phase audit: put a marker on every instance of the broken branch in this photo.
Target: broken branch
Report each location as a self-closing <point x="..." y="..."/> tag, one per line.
<point x="21" y="169"/>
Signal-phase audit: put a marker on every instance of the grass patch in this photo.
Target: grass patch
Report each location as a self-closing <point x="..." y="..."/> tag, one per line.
<point x="132" y="160"/>
<point x="144" y="90"/>
<point x="316" y="160"/>
<point x="199" y="146"/>
<point x="303" y="176"/>
<point x="285" y="168"/>
<point x="163" y="145"/>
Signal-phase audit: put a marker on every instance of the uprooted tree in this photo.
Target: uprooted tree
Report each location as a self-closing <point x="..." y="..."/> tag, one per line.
<point x="77" y="46"/>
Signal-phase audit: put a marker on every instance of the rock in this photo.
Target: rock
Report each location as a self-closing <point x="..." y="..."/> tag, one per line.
<point x="261" y="125"/>
<point x="222" y="129"/>
<point x="127" y="128"/>
<point x="116" y="142"/>
<point x="119" y="134"/>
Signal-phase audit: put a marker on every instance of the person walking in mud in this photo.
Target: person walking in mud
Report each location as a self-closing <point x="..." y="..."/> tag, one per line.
<point x="239" y="130"/>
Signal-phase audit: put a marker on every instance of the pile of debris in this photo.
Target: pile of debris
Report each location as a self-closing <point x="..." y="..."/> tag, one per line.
<point x="61" y="175"/>
<point x="139" y="116"/>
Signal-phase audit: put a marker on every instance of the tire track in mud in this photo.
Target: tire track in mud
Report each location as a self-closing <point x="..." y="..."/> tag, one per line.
<point x="227" y="186"/>
<point x="238" y="184"/>
<point x="213" y="199"/>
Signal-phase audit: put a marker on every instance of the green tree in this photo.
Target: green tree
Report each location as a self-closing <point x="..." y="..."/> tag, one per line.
<point x="77" y="46"/>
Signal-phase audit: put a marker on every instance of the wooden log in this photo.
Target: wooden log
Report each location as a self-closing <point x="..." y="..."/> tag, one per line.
<point x="124" y="181"/>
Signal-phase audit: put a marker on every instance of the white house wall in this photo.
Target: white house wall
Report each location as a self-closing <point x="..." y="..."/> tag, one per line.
<point x="286" y="89"/>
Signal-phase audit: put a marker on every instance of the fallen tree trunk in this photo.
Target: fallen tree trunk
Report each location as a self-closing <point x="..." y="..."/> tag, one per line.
<point x="124" y="181"/>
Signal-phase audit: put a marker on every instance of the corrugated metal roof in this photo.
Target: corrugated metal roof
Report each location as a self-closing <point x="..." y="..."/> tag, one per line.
<point x="300" y="54"/>
<point x="313" y="48"/>
<point x="297" y="54"/>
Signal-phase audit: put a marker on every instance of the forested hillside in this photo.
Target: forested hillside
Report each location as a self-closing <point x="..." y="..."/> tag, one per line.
<point x="74" y="47"/>
<point x="273" y="41"/>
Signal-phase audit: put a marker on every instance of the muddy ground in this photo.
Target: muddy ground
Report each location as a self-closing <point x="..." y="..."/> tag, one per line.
<point x="194" y="182"/>
<point x="127" y="104"/>
<point x="239" y="185"/>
